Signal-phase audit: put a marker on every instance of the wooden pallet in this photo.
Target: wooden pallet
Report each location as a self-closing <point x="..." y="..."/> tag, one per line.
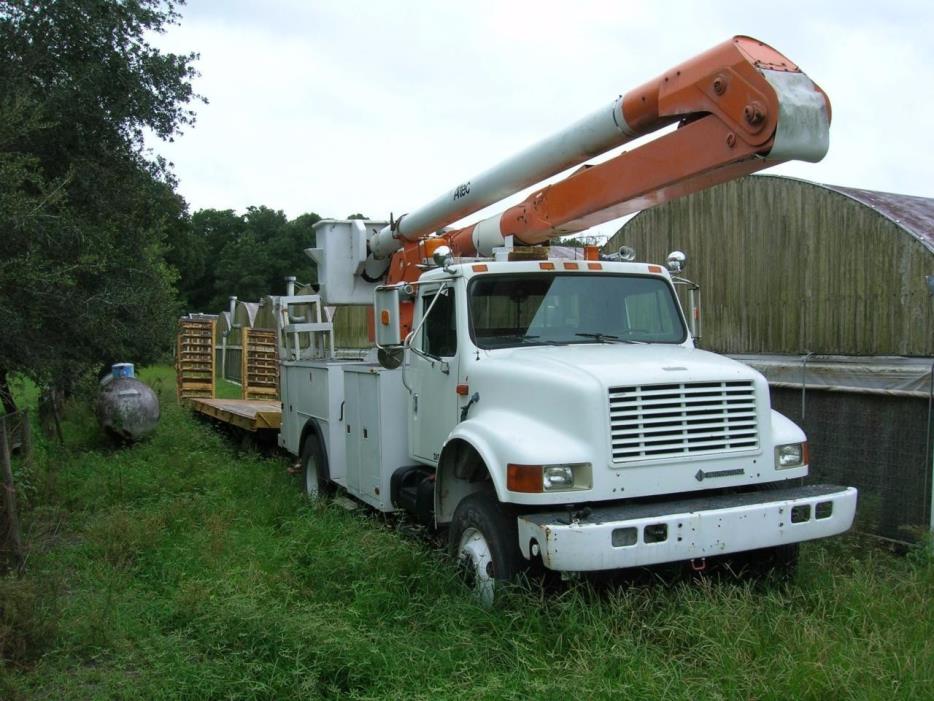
<point x="194" y="358"/>
<point x="260" y="364"/>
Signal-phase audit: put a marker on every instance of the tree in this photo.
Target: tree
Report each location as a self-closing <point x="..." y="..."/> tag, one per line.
<point x="84" y="209"/>
<point x="302" y="233"/>
<point x="194" y="252"/>
<point x="268" y="248"/>
<point x="222" y="253"/>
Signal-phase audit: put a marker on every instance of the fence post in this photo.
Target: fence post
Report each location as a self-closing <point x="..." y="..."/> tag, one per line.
<point x="9" y="494"/>
<point x="26" y="437"/>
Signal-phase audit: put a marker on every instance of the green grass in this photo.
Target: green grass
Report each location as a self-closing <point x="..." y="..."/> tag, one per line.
<point x="183" y="569"/>
<point x="225" y="389"/>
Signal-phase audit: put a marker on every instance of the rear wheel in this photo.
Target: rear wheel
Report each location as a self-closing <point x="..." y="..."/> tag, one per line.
<point x="484" y="542"/>
<point x="315" y="469"/>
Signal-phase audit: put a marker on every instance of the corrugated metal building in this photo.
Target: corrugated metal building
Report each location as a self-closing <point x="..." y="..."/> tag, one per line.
<point x="789" y="266"/>
<point x="350" y="328"/>
<point x="798" y="276"/>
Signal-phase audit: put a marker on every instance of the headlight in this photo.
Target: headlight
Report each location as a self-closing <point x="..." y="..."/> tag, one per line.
<point x="557" y="477"/>
<point x="534" y="479"/>
<point x="791" y="455"/>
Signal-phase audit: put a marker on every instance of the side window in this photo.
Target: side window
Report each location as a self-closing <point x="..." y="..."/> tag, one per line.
<point x="649" y="313"/>
<point x="439" y="333"/>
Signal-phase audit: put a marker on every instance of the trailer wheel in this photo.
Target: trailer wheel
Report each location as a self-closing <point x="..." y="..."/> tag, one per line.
<point x="315" y="469"/>
<point x="485" y="544"/>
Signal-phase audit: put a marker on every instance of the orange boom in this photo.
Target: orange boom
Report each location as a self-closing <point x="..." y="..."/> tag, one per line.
<point x="740" y="107"/>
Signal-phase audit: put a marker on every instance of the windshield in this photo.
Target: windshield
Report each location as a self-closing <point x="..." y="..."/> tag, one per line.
<point x="561" y="308"/>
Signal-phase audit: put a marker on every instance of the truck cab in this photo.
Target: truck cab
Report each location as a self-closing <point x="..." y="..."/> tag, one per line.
<point x="569" y="395"/>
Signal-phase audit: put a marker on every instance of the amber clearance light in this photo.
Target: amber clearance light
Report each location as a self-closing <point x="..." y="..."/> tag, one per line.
<point x="524" y="478"/>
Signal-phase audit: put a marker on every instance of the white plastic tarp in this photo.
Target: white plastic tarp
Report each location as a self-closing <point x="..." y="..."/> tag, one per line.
<point x="872" y="374"/>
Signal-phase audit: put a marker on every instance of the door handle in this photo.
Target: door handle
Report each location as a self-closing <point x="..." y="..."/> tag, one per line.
<point x="473" y="400"/>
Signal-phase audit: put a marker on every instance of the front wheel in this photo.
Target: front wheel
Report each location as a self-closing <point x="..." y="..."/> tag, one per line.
<point x="315" y="469"/>
<point x="484" y="543"/>
<point x="777" y="563"/>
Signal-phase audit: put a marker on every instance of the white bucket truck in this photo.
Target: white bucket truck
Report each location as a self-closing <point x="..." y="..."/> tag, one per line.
<point x="556" y="409"/>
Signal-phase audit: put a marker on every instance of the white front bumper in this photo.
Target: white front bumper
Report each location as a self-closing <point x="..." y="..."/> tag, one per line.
<point x="693" y="528"/>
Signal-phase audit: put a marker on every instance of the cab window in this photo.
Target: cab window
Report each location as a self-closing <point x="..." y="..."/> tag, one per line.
<point x="439" y="332"/>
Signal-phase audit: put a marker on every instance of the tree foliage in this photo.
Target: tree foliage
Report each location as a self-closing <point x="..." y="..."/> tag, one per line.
<point x="249" y="255"/>
<point x="85" y="210"/>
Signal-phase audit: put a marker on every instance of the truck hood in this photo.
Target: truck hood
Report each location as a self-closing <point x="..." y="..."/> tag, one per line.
<point x="548" y="405"/>
<point x="613" y="364"/>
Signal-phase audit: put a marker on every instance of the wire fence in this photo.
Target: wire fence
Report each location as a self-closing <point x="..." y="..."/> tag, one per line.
<point x="878" y="444"/>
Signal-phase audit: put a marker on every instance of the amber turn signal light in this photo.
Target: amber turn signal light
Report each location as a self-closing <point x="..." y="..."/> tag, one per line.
<point x="524" y="478"/>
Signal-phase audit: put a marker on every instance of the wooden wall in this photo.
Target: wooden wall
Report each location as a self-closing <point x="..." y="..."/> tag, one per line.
<point x="788" y="266"/>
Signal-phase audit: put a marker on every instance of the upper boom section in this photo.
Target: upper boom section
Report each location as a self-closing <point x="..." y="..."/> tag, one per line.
<point x="596" y="133"/>
<point x="754" y="101"/>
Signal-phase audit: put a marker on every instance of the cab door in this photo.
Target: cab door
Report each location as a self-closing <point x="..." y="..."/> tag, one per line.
<point x="432" y="372"/>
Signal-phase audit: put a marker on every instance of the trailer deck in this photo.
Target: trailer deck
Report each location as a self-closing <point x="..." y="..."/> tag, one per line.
<point x="248" y="414"/>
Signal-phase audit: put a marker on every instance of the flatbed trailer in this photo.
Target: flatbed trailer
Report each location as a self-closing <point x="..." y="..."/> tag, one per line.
<point x="248" y="414"/>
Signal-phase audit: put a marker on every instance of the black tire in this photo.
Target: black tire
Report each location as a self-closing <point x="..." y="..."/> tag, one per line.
<point x="484" y="542"/>
<point x="316" y="478"/>
<point x="779" y="561"/>
<point x="776" y="564"/>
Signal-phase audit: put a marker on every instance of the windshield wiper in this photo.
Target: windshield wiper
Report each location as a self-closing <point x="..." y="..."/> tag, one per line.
<point x="507" y="337"/>
<point x="530" y="339"/>
<point x="608" y="338"/>
<point x="535" y="342"/>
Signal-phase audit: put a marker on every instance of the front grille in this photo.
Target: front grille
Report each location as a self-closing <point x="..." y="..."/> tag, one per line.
<point x="649" y="422"/>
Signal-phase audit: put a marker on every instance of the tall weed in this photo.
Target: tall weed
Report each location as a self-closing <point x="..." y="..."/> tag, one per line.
<point x="181" y="568"/>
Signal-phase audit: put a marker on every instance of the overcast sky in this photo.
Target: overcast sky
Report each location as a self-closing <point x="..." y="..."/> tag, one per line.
<point x="377" y="106"/>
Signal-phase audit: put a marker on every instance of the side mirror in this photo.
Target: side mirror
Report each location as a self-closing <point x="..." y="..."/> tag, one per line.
<point x="443" y="257"/>
<point x="694" y="305"/>
<point x="676" y="261"/>
<point x="387" y="317"/>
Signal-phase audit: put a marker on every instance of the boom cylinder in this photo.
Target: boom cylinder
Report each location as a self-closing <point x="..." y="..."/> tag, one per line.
<point x="596" y="133"/>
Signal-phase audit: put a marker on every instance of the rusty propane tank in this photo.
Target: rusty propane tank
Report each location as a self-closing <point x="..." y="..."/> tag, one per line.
<point x="126" y="407"/>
